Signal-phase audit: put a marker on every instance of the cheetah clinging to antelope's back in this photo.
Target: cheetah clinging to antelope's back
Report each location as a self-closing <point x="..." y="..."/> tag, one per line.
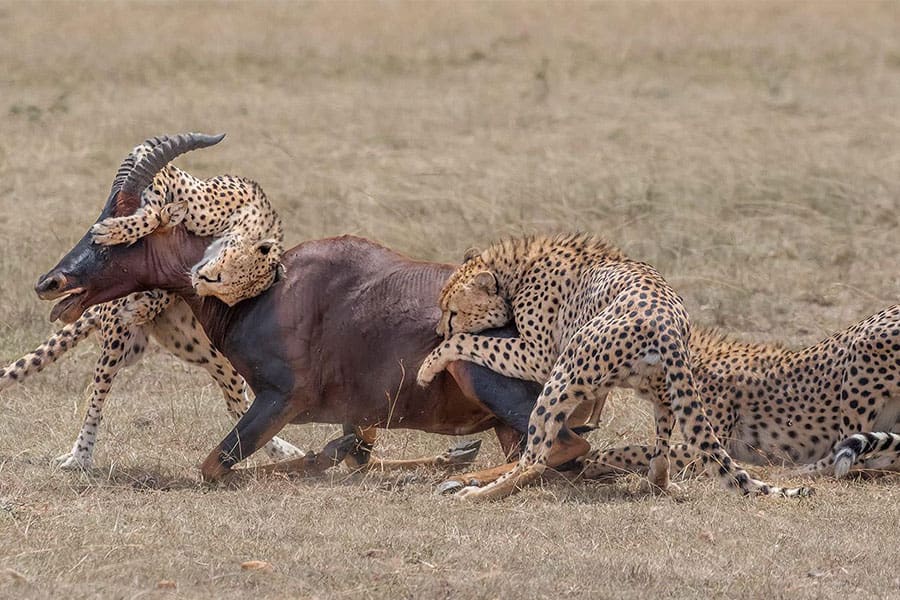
<point x="589" y="319"/>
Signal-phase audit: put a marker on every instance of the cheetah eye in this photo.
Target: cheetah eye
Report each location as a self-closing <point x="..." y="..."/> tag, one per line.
<point x="264" y="249"/>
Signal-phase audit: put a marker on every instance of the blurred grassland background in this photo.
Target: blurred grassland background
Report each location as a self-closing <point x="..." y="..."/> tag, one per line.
<point x="749" y="151"/>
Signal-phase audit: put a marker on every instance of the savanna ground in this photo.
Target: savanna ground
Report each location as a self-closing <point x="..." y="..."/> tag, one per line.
<point x="750" y="151"/>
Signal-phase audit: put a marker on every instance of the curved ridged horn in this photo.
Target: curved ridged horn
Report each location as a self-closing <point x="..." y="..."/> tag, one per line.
<point x="122" y="174"/>
<point x="165" y="150"/>
<point x="128" y="164"/>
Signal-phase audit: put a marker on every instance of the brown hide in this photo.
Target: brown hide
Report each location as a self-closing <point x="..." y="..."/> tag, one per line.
<point x="338" y="339"/>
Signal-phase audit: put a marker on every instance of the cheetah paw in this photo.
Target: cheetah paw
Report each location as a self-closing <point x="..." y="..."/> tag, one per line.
<point x="173" y="214"/>
<point x="126" y="230"/>
<point x="429" y="370"/>
<point x="142" y="308"/>
<point x="71" y="461"/>
<point x="671" y="489"/>
<point x="109" y="232"/>
<point x="425" y="376"/>
<point x="278" y="450"/>
<point x="470" y="493"/>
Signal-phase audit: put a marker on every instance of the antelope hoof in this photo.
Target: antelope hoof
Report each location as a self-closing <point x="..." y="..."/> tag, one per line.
<point x="448" y="487"/>
<point x="462" y="453"/>
<point x="212" y="470"/>
<point x="334" y="452"/>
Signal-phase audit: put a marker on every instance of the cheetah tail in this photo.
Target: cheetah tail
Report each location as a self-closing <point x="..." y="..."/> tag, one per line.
<point x="50" y="351"/>
<point x="863" y="446"/>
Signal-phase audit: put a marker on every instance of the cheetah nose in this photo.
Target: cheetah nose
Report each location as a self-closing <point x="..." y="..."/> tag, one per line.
<point x="50" y="285"/>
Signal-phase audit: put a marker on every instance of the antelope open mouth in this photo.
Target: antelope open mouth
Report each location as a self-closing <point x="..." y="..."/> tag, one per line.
<point x="70" y="307"/>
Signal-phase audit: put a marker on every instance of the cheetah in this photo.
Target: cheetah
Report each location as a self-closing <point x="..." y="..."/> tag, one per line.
<point x="233" y="209"/>
<point x="831" y="406"/>
<point x="589" y="319"/>
<point x="249" y="242"/>
<point x="123" y="328"/>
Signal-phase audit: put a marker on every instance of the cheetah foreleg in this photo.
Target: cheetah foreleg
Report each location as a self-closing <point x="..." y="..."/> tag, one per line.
<point x="512" y="357"/>
<point x="145" y="220"/>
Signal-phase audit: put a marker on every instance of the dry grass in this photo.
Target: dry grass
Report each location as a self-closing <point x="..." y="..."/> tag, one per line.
<point x="749" y="151"/>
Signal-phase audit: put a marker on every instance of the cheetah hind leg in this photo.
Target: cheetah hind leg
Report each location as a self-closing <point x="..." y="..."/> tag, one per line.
<point x="118" y="350"/>
<point x="613" y="463"/>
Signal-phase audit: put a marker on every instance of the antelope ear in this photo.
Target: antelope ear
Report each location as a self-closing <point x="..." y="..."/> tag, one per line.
<point x="471" y="253"/>
<point x="486" y="281"/>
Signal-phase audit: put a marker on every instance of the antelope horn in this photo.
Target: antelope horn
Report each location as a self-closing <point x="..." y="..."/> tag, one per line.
<point x="128" y="164"/>
<point x="165" y="150"/>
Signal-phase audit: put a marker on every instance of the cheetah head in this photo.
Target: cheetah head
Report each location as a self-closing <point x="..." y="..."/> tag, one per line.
<point x="471" y="301"/>
<point x="234" y="268"/>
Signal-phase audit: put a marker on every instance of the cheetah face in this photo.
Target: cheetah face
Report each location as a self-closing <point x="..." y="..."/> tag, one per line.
<point x="234" y="269"/>
<point x="471" y="302"/>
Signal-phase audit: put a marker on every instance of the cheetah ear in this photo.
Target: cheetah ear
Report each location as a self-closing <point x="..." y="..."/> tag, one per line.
<point x="471" y="253"/>
<point x="487" y="281"/>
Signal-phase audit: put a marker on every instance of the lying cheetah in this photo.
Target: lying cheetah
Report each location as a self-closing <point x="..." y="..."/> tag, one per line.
<point x="832" y="404"/>
<point x="250" y="241"/>
<point x="589" y="319"/>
